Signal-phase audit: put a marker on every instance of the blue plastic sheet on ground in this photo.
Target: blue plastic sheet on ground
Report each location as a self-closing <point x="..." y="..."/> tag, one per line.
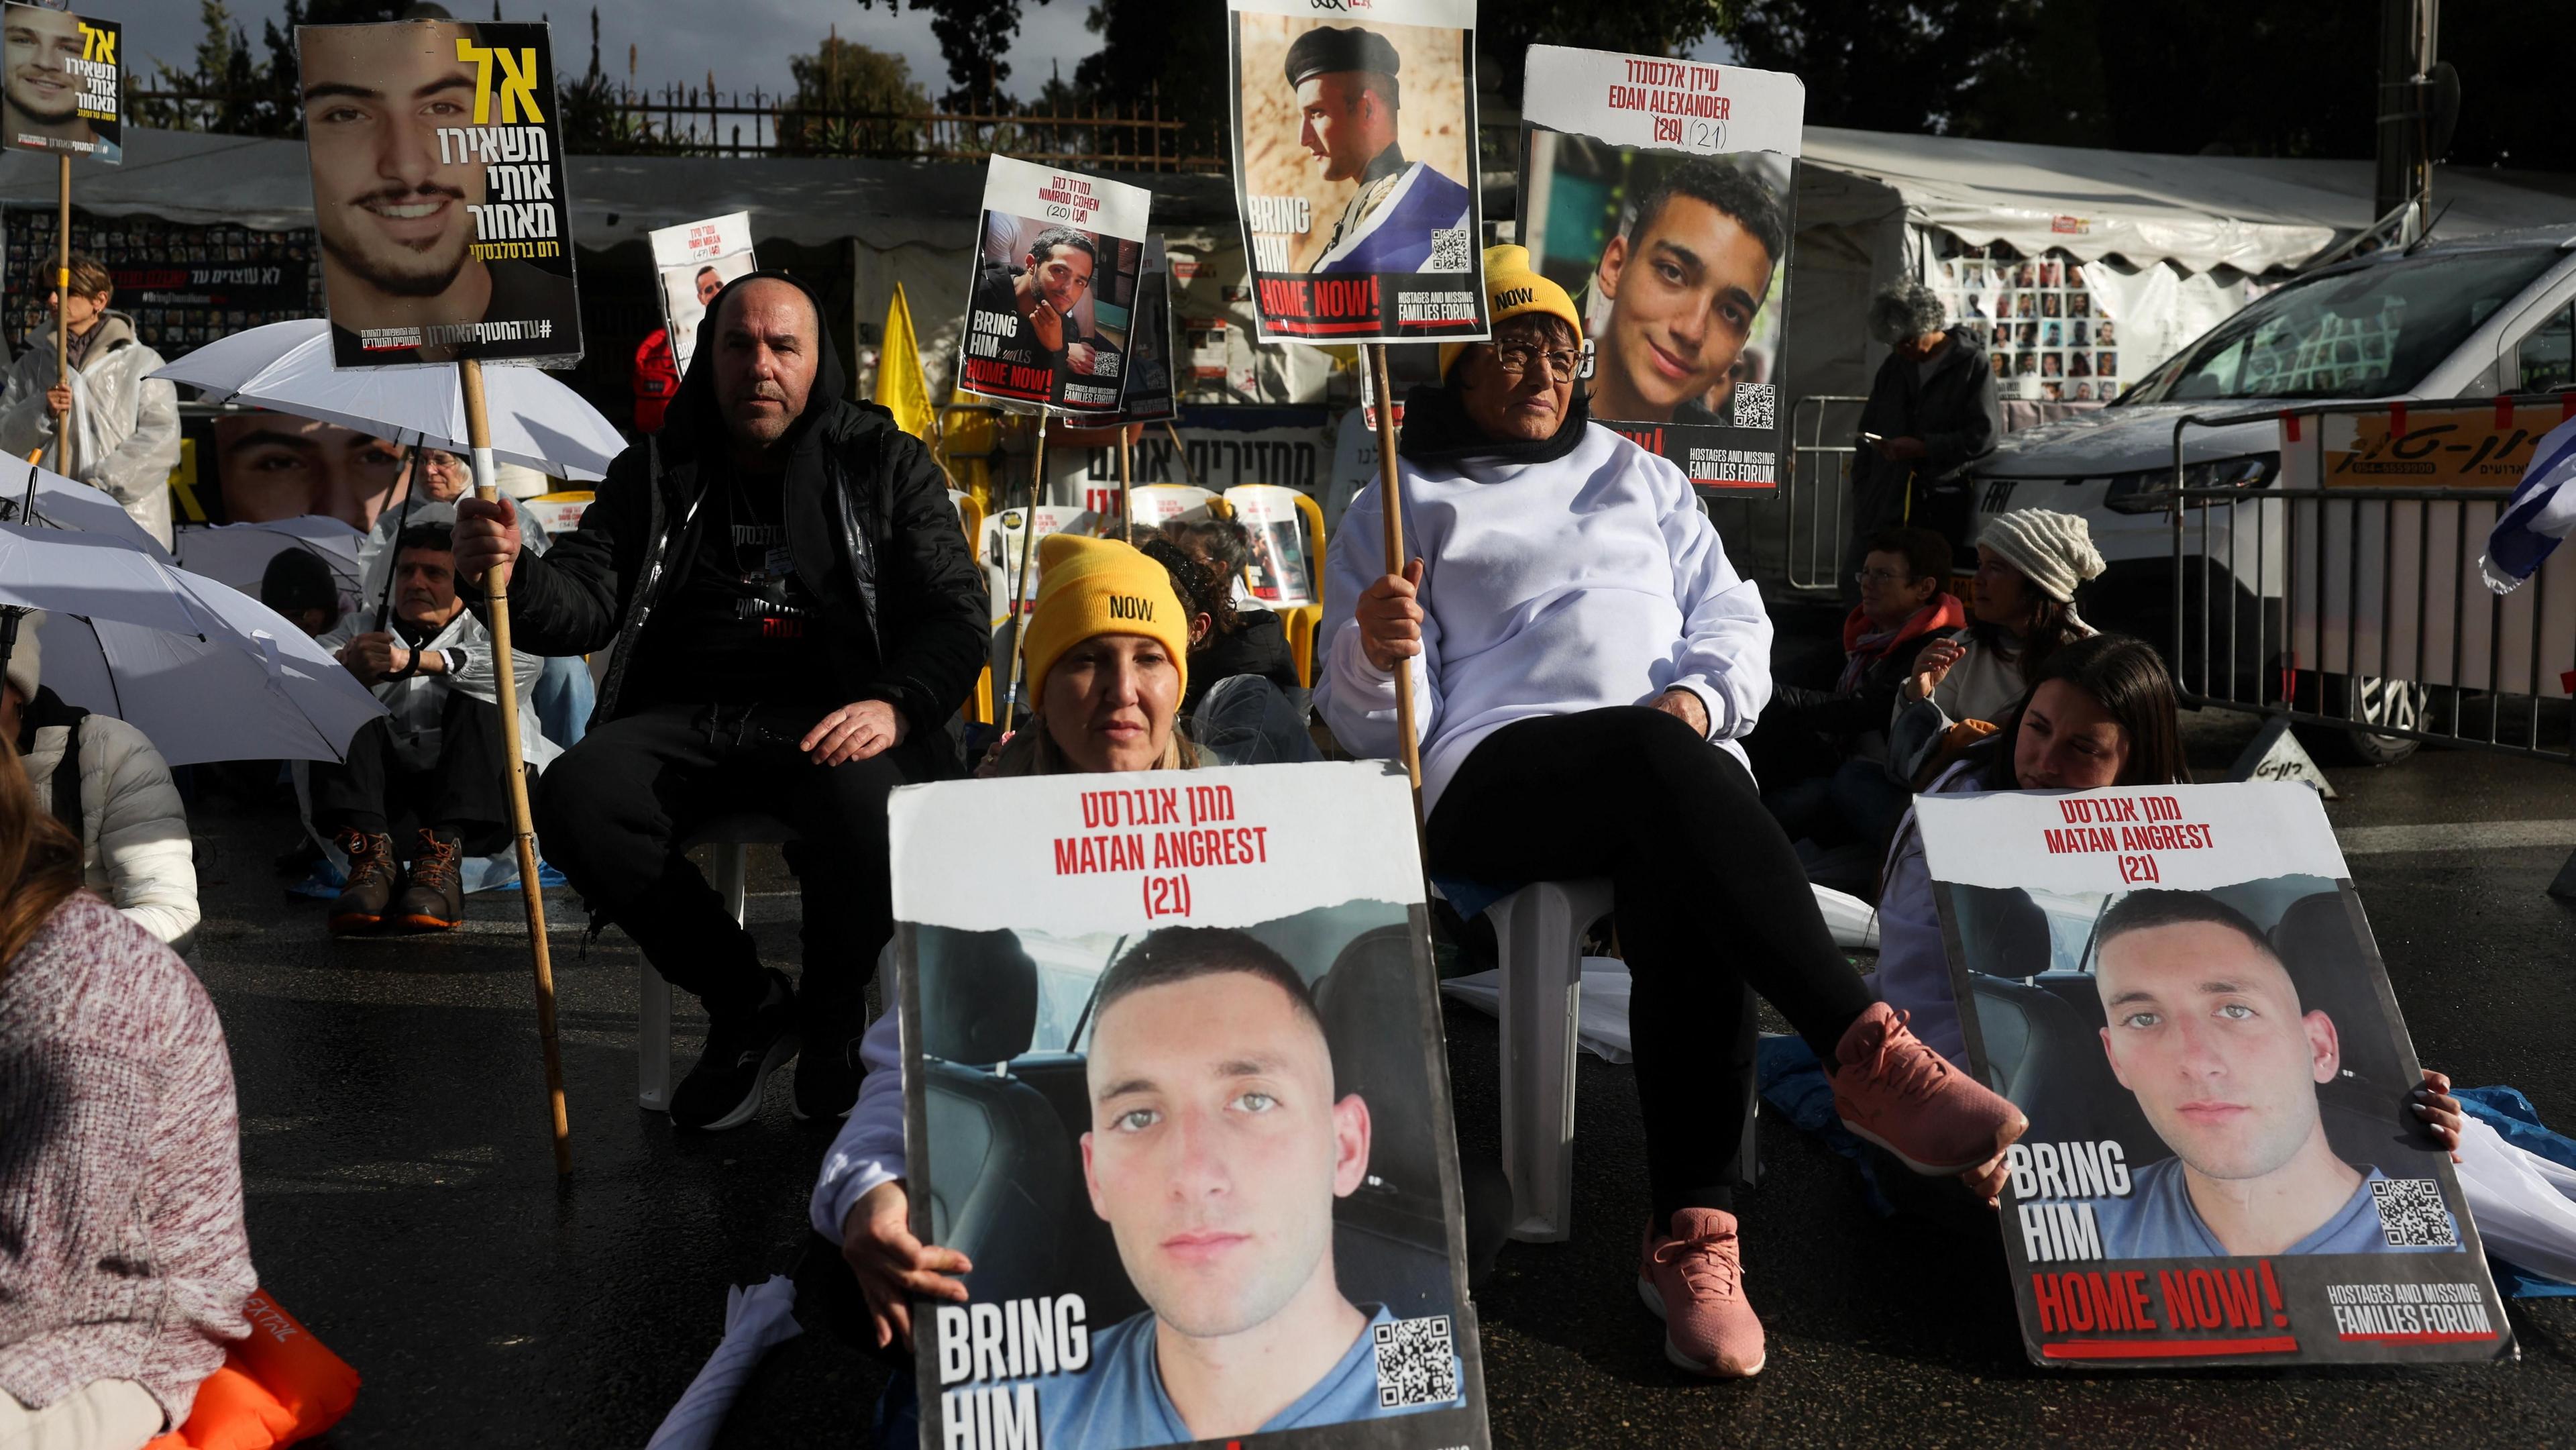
<point x="2516" y="1121"/>
<point x="1793" y="1081"/>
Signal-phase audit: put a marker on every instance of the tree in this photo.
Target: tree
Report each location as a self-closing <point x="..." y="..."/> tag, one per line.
<point x="1638" y="27"/>
<point x="592" y="109"/>
<point x="973" y="36"/>
<point x="213" y="96"/>
<point x="855" y="101"/>
<point x="1155" y="54"/>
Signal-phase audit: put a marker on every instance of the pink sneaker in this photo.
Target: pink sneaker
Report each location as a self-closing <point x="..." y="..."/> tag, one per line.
<point x="1694" y="1281"/>
<point x="1908" y="1099"/>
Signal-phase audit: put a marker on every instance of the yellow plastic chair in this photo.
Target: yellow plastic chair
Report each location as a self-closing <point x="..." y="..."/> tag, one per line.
<point x="1304" y="620"/>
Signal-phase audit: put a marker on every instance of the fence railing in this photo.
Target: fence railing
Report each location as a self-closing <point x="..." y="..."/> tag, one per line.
<point x="2336" y="599"/>
<point x="695" y="121"/>
<point x="1815" y="524"/>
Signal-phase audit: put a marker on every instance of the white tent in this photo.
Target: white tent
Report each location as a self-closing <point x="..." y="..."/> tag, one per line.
<point x="2181" y="233"/>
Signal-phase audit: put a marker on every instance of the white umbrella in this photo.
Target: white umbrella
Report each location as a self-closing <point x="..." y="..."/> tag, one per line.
<point x="69" y="504"/>
<point x="210" y="699"/>
<point x="237" y="554"/>
<point x="286" y="366"/>
<point x="205" y="671"/>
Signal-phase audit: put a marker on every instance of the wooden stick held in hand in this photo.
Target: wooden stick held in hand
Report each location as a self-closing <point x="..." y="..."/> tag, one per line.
<point x="1391" y="491"/>
<point x="496" y="588"/>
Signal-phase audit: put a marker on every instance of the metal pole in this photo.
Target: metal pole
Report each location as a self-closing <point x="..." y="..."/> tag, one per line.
<point x="402" y="521"/>
<point x="1181" y="454"/>
<point x="1391" y="509"/>
<point x="496" y="589"/>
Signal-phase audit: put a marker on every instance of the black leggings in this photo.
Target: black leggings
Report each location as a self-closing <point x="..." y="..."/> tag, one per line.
<point x="1712" y="905"/>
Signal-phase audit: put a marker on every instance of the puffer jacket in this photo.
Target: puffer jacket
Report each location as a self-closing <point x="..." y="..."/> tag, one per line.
<point x="135" y="850"/>
<point x="125" y="438"/>
<point x="904" y="608"/>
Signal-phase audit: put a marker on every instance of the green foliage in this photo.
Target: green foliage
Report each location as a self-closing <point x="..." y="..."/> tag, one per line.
<point x="868" y="98"/>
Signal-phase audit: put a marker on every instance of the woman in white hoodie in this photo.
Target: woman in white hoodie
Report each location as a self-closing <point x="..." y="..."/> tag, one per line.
<point x="1583" y="662"/>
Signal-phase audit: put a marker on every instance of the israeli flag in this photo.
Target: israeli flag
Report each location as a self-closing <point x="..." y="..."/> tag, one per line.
<point x="2541" y="512"/>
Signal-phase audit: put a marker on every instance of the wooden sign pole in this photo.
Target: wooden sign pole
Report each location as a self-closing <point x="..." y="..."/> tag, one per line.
<point x="1391" y="496"/>
<point x="496" y="588"/>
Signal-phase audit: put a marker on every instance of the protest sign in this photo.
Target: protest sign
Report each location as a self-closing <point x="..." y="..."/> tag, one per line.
<point x="64" y="88"/>
<point x="2177" y="984"/>
<point x="472" y="258"/>
<point x="1173" y="1083"/>
<point x="1657" y="192"/>
<point x="1048" y="313"/>
<point x="1281" y="574"/>
<point x="1355" y="168"/>
<point x="1150" y="387"/>
<point x="694" y="262"/>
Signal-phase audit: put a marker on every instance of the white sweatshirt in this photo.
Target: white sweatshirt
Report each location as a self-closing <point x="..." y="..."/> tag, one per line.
<point x="1550" y="588"/>
<point x="869" y="1148"/>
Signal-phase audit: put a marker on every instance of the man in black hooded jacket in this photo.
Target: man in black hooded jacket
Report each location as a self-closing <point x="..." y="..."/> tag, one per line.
<point x="796" y="619"/>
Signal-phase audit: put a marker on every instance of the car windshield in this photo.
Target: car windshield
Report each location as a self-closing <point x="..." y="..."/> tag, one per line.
<point x="2372" y="332"/>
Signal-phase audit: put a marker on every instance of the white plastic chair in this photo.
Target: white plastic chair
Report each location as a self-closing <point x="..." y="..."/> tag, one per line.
<point x="730" y="835"/>
<point x="1538" y="938"/>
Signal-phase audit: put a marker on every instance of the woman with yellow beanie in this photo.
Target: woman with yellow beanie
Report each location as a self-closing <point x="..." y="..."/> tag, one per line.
<point x="1108" y="648"/>
<point x="1584" y="660"/>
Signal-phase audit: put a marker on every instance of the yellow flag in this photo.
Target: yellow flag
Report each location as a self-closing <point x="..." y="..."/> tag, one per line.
<point x="902" y="388"/>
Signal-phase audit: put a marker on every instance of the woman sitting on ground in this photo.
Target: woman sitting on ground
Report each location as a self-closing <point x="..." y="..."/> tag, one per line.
<point x="1108" y="694"/>
<point x="2029" y="562"/>
<point x="2101" y="712"/>
<point x="1583" y="661"/>
<point x="126" y="1265"/>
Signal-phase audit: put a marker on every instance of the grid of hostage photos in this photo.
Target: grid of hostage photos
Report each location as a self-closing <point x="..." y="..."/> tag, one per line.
<point x="183" y="286"/>
<point x="2046" y="332"/>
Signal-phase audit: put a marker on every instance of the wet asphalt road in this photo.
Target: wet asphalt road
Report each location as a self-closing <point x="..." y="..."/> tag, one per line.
<point x="402" y="1200"/>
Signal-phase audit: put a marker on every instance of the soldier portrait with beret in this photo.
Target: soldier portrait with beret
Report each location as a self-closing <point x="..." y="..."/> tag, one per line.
<point x="1349" y="89"/>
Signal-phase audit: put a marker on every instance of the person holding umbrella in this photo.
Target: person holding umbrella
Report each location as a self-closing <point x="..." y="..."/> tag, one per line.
<point x="124" y="421"/>
<point x="797" y="620"/>
<point x="106" y="783"/>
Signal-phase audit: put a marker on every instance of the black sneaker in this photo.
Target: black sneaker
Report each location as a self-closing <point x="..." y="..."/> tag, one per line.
<point x="724" y="1089"/>
<point x="827" y="1078"/>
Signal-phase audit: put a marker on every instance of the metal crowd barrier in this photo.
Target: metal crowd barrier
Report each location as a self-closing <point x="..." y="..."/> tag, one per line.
<point x="1814" y="526"/>
<point x="2343" y="589"/>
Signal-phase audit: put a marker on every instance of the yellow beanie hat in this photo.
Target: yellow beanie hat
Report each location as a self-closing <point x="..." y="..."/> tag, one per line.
<point x="1512" y="287"/>
<point x="1092" y="586"/>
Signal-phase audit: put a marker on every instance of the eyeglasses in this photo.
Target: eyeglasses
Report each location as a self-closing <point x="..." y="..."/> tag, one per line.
<point x="1881" y="576"/>
<point x="1516" y="357"/>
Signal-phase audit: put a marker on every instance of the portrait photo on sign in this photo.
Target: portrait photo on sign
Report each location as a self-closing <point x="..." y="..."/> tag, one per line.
<point x="64" y="87"/>
<point x="1178" y="1104"/>
<point x="1052" y="302"/>
<point x="1678" y="264"/>
<point x="692" y="263"/>
<point x="1355" y="143"/>
<point x="2217" y="1079"/>
<point x="439" y="195"/>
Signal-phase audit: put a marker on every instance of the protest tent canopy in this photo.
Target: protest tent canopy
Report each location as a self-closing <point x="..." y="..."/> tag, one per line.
<point x="1872" y="207"/>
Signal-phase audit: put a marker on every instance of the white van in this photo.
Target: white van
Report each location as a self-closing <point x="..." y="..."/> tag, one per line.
<point x="2471" y="318"/>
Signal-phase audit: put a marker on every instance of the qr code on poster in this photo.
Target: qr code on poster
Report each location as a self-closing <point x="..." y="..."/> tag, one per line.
<point x="1416" y="1364"/>
<point x="1449" y="251"/>
<point x="1753" y="405"/>
<point x="2411" y="1215"/>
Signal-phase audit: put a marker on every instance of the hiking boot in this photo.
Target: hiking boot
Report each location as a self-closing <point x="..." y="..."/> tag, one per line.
<point x="434" y="898"/>
<point x="743" y="1049"/>
<point x="1693" y="1278"/>
<point x="372" y="876"/>
<point x="1892" y="1090"/>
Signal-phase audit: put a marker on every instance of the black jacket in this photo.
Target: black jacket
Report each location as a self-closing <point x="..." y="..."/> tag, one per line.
<point x="1953" y="411"/>
<point x="868" y="522"/>
<point x="1258" y="647"/>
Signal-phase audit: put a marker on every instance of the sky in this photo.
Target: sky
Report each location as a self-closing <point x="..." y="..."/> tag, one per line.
<point x="745" y="42"/>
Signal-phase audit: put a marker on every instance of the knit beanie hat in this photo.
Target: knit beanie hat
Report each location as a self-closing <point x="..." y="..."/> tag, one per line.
<point x="26" y="666"/>
<point x="1512" y="287"/>
<point x="2053" y="550"/>
<point x="1092" y="586"/>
